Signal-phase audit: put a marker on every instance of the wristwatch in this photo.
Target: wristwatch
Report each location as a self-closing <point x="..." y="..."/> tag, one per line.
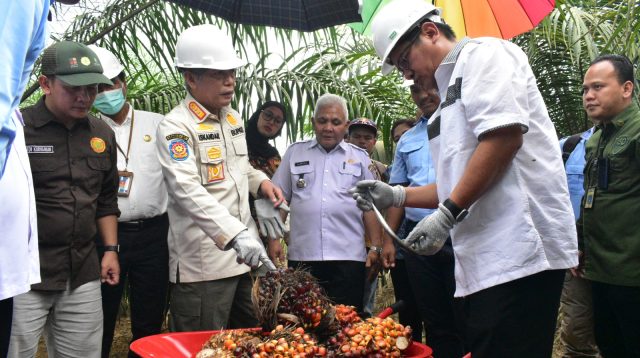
<point x="378" y="250"/>
<point x="458" y="213"/>
<point x="115" y="248"/>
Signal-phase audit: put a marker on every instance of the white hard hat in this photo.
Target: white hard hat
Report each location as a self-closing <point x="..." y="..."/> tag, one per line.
<point x="206" y="46"/>
<point x="111" y="66"/>
<point x="394" y="20"/>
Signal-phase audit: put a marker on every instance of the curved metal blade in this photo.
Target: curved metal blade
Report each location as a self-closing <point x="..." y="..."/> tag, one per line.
<point x="390" y="232"/>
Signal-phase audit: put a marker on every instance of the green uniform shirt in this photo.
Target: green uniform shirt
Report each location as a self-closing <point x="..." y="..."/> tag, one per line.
<point x="611" y="224"/>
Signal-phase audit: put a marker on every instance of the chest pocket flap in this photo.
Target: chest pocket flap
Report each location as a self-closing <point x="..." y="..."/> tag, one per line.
<point x="240" y="146"/>
<point x="354" y="169"/>
<point x="573" y="169"/>
<point x="99" y="163"/>
<point x="413" y="145"/>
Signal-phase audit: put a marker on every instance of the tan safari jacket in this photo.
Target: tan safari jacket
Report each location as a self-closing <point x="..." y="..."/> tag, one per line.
<point x="208" y="176"/>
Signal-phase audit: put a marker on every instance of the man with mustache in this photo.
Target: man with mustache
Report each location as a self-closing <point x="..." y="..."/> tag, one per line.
<point x="203" y="153"/>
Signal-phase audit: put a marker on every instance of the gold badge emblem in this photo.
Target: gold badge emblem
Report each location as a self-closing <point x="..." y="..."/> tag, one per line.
<point x="215" y="173"/>
<point x="85" y="61"/>
<point x="205" y="127"/>
<point x="98" y="145"/>
<point x="147" y="138"/>
<point x="214" y="153"/>
<point x="231" y="119"/>
<point x="197" y="110"/>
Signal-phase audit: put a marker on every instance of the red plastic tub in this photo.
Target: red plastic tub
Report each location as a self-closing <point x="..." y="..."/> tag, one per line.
<point x="188" y="344"/>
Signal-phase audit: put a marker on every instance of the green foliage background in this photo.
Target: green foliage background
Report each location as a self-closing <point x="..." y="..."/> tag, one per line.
<point x="296" y="67"/>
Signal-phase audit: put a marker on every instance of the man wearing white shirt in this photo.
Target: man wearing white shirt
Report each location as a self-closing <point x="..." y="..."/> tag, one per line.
<point x="19" y="259"/>
<point x="142" y="200"/>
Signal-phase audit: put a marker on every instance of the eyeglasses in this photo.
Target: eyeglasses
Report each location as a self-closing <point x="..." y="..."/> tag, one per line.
<point x="270" y="117"/>
<point x="403" y="62"/>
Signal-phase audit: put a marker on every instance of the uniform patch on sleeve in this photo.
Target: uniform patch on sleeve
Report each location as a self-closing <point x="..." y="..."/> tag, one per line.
<point x="231" y="119"/>
<point x="197" y="110"/>
<point x="179" y="150"/>
<point x="215" y="173"/>
<point x="97" y="144"/>
<point x="177" y="136"/>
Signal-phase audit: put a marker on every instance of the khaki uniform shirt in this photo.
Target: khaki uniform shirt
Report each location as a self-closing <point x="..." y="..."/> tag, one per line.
<point x="206" y="168"/>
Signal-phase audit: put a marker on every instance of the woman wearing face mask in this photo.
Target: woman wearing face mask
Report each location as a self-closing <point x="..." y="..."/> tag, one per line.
<point x="264" y="125"/>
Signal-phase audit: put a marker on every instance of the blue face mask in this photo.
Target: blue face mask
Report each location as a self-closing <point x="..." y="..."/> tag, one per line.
<point x="109" y="102"/>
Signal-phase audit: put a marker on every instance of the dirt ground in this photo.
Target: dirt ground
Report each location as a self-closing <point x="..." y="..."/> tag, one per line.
<point x="122" y="335"/>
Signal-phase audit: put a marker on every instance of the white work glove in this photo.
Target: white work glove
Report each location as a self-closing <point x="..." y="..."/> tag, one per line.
<point x="374" y="192"/>
<point x="251" y="251"/>
<point x="432" y="232"/>
<point x="269" y="219"/>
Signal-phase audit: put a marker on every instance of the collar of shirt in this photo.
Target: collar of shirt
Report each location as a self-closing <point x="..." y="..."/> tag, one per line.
<point x="618" y="121"/>
<point x="342" y="145"/>
<point x="452" y="56"/>
<point x="197" y="110"/>
<point x="45" y="116"/>
<point x="113" y="123"/>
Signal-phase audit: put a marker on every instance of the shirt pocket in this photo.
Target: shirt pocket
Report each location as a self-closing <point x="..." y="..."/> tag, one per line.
<point x="302" y="179"/>
<point x="98" y="168"/>
<point x="212" y="165"/>
<point x="240" y="146"/>
<point x="350" y="174"/>
<point x="575" y="179"/>
<point x="45" y="172"/>
<point x="412" y="152"/>
<point x="621" y="177"/>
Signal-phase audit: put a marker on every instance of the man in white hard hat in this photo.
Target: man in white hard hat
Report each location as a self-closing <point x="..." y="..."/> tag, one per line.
<point x="497" y="160"/>
<point x="203" y="152"/>
<point x="142" y="199"/>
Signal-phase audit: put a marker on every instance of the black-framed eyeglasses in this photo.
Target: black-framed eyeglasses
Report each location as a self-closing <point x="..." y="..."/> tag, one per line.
<point x="403" y="62"/>
<point x="270" y="117"/>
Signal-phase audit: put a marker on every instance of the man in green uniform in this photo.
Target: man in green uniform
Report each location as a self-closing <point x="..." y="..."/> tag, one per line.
<point x="609" y="229"/>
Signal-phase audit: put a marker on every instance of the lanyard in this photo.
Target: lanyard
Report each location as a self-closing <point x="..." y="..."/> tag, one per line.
<point x="126" y="156"/>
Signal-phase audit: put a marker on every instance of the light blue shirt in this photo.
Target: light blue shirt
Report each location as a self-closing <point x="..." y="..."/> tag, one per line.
<point x="412" y="164"/>
<point x="23" y="28"/>
<point x="575" y="171"/>
<point x="326" y="224"/>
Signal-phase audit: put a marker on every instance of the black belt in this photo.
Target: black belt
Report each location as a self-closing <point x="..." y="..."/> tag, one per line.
<point x="137" y="225"/>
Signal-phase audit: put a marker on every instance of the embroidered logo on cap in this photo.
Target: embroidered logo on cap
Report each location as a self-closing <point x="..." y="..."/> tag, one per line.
<point x="85" y="61"/>
<point x="98" y="145"/>
<point x="197" y="110"/>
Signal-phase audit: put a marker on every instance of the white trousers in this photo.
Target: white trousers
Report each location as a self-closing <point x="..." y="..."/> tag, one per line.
<point x="71" y="320"/>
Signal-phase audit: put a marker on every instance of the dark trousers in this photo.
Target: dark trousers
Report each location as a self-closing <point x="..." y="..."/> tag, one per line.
<point x="616" y="316"/>
<point x="433" y="284"/>
<point x="6" y="318"/>
<point x="144" y="265"/>
<point x="343" y="281"/>
<point x="515" y="319"/>
<point x="408" y="314"/>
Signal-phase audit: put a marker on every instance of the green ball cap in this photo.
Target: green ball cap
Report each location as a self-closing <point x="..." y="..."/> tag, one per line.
<point x="74" y="64"/>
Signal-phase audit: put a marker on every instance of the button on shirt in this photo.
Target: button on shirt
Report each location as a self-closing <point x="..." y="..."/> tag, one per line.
<point x="523" y="223"/>
<point x="148" y="193"/>
<point x="75" y="179"/>
<point x="206" y="168"/>
<point x="19" y="260"/>
<point x="325" y="221"/>
<point x="412" y="164"/>
<point x="575" y="171"/>
<point x="24" y="31"/>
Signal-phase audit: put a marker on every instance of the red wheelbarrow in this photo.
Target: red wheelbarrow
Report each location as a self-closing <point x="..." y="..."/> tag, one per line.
<point x="188" y="344"/>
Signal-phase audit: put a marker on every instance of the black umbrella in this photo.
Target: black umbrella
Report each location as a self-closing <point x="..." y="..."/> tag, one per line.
<point x="303" y="15"/>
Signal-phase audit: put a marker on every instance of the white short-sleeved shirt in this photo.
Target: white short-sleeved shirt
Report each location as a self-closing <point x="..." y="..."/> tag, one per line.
<point x="524" y="223"/>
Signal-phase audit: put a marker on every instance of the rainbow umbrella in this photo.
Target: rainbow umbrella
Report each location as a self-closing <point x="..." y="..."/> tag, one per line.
<point x="475" y="18"/>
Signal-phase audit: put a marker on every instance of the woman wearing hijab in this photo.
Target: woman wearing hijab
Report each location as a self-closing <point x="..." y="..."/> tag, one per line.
<point x="265" y="124"/>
